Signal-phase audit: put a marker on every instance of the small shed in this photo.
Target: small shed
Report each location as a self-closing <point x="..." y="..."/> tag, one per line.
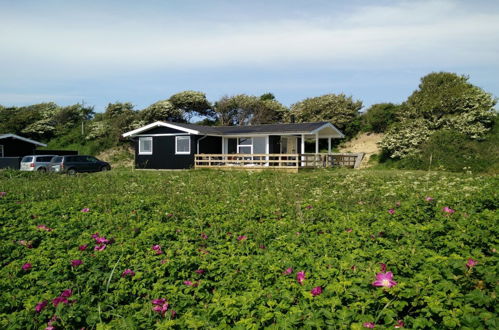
<point x="13" y="147"/>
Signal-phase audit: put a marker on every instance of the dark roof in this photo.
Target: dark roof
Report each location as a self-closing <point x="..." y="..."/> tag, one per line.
<point x="295" y="128"/>
<point x="17" y="137"/>
<point x="254" y="129"/>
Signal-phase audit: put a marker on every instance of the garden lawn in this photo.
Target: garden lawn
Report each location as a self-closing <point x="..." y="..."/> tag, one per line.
<point x="214" y="249"/>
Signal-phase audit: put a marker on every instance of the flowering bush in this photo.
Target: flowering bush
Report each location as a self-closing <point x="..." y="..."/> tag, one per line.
<point x="345" y="262"/>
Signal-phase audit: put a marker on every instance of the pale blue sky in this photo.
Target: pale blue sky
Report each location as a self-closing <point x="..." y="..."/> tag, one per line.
<point x="145" y="51"/>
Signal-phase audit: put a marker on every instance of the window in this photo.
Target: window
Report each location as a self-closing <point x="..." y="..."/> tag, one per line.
<point x="182" y="145"/>
<point x="145" y="146"/>
<point x="245" y="145"/>
<point x="1" y="150"/>
<point x="27" y="159"/>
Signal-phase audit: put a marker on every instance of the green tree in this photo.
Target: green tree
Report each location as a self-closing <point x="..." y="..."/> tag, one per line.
<point x="162" y="111"/>
<point x="245" y="109"/>
<point x="192" y="103"/>
<point x="340" y="110"/>
<point x="443" y="101"/>
<point x="379" y="117"/>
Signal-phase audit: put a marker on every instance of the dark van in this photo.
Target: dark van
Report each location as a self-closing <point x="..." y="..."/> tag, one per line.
<point x="75" y="164"/>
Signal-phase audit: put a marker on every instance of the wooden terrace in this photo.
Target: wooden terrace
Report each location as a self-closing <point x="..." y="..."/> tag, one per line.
<point x="284" y="162"/>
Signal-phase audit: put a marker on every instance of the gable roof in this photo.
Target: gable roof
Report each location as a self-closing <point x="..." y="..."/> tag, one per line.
<point x="294" y="128"/>
<point x="14" y="136"/>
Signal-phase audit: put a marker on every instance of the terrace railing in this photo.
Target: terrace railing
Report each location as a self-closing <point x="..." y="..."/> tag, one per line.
<point x="277" y="161"/>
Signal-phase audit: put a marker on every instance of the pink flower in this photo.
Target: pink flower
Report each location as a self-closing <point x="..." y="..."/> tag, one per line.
<point x="83" y="247"/>
<point x="63" y="298"/>
<point x="188" y="283"/>
<point x="349" y="230"/>
<point x="288" y="271"/>
<point x="160" y="301"/>
<point x="96" y="235"/>
<point x="369" y="325"/>
<point x="161" y="306"/>
<point x="308" y="207"/>
<point x="263" y="247"/>
<point x="399" y="324"/>
<point x="385" y="280"/>
<point x="383" y="267"/>
<point x="428" y="199"/>
<point x="100" y="247"/>
<point x="391" y="211"/>
<point x="43" y="227"/>
<point x="157" y="248"/>
<point x="300" y="277"/>
<point x="101" y="240"/>
<point x="173" y="313"/>
<point x="3" y="193"/>
<point x="471" y="263"/>
<point x="242" y="238"/>
<point x="76" y="263"/>
<point x="316" y="291"/>
<point x="448" y="210"/>
<point x="128" y="272"/>
<point x="204" y="236"/>
<point x="27" y="266"/>
<point x="200" y="271"/>
<point x="40" y="306"/>
<point x="66" y="293"/>
<point x="85" y="210"/>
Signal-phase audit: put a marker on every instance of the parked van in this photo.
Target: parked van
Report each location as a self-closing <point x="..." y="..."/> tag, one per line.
<point x="73" y="164"/>
<point x="38" y="163"/>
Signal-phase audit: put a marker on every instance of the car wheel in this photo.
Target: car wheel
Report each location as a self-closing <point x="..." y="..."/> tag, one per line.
<point x="71" y="171"/>
<point x="104" y="169"/>
<point x="42" y="169"/>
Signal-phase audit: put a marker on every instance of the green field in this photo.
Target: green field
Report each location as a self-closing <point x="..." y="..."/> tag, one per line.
<point x="233" y="243"/>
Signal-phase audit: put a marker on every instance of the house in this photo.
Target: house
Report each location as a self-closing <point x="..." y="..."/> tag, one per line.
<point x="13" y="147"/>
<point x="167" y="145"/>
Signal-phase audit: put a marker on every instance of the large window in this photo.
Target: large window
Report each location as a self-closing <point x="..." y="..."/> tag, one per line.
<point x="245" y="145"/>
<point x="145" y="146"/>
<point x="182" y="145"/>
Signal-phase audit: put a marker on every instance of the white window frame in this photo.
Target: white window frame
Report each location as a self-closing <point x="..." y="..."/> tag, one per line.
<point x="1" y="150"/>
<point x="182" y="152"/>
<point x="245" y="145"/>
<point x="142" y="152"/>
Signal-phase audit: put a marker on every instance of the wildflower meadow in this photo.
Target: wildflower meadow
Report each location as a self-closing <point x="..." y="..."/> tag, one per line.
<point x="207" y="249"/>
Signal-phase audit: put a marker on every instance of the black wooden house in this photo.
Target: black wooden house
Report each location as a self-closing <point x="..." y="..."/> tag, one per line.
<point x="167" y="145"/>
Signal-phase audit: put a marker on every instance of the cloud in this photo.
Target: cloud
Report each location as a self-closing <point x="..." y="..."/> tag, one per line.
<point x="410" y="33"/>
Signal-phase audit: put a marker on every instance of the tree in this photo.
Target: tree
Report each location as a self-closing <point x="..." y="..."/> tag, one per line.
<point x="162" y="111"/>
<point x="340" y="110"/>
<point x="379" y="117"/>
<point x="244" y="109"/>
<point x="192" y="103"/>
<point x="443" y="101"/>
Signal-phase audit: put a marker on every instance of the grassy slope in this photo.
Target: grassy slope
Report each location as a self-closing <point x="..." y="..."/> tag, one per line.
<point x="244" y="284"/>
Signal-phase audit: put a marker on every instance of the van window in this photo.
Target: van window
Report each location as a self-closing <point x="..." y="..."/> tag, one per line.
<point x="56" y="159"/>
<point x="27" y="159"/>
<point x="45" y="159"/>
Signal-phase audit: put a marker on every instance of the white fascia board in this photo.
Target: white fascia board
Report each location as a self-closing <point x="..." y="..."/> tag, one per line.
<point x="4" y="136"/>
<point x="158" y="124"/>
<point x="328" y="125"/>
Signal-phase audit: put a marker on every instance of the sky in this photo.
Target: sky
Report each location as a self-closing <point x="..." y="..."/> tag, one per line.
<point x="141" y="52"/>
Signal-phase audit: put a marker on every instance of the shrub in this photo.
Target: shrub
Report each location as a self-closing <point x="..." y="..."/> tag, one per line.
<point x="379" y="117"/>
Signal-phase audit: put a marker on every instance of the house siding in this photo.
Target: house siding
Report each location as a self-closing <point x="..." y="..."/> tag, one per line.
<point x="163" y="154"/>
<point x="17" y="148"/>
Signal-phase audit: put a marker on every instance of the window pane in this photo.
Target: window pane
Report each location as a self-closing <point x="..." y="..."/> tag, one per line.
<point x="27" y="159"/>
<point x="145" y="145"/>
<point x="245" y="149"/>
<point x="183" y="144"/>
<point x="245" y="141"/>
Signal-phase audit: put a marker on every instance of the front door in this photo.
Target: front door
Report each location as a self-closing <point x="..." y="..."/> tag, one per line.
<point x="288" y="145"/>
